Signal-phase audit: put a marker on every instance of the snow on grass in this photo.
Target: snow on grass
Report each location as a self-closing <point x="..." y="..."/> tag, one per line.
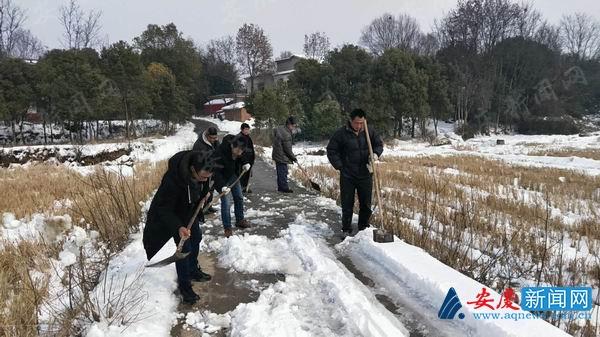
<point x="158" y="308"/>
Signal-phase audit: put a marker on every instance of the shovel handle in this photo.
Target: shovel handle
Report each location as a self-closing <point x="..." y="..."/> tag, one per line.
<point x="375" y="175"/>
<point x="201" y="202"/>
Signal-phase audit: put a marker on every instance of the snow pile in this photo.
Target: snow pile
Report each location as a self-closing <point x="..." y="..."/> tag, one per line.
<point x="321" y="299"/>
<point x="258" y="254"/>
<point x="430" y="280"/>
<point x="207" y="322"/>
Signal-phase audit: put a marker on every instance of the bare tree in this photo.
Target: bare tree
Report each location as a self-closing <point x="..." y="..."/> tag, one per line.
<point x="222" y="49"/>
<point x="428" y="45"/>
<point x="528" y="21"/>
<point x="27" y="46"/>
<point x="254" y="51"/>
<point x="316" y="46"/>
<point x="387" y="32"/>
<point x="81" y="29"/>
<point x="478" y="25"/>
<point x="12" y="18"/>
<point x="549" y="35"/>
<point x="581" y="35"/>
<point x="285" y="54"/>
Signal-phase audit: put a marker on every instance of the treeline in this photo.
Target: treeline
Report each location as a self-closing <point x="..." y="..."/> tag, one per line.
<point x="490" y="65"/>
<point x="162" y="75"/>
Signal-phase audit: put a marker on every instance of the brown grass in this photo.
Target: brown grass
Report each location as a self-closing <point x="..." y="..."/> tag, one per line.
<point x="108" y="202"/>
<point x="569" y="152"/>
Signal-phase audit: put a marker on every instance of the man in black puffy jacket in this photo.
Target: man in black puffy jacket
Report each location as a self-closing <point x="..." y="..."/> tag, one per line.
<point x="348" y="152"/>
<point x="185" y="184"/>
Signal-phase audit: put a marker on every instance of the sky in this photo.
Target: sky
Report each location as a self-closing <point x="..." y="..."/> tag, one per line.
<point x="284" y="21"/>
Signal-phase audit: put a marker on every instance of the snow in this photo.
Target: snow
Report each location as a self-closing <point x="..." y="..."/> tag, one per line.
<point x="147" y="149"/>
<point x="234" y="106"/>
<point x="158" y="305"/>
<point x="219" y="101"/>
<point x="67" y="258"/>
<point x="432" y="279"/>
<point x="231" y="127"/>
<point x="319" y="297"/>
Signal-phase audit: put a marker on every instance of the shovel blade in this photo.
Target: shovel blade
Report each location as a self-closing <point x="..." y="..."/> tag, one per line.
<point x="173" y="258"/>
<point x="315" y="186"/>
<point x="382" y="236"/>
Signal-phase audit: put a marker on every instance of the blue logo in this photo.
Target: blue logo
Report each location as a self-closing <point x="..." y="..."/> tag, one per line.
<point x="450" y="306"/>
<point x="556" y="298"/>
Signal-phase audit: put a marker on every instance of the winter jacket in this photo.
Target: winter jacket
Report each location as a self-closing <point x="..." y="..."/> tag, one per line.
<point x="228" y="168"/>
<point x="248" y="157"/>
<point x="173" y="204"/>
<point x="202" y="144"/>
<point x="282" y="145"/>
<point x="349" y="153"/>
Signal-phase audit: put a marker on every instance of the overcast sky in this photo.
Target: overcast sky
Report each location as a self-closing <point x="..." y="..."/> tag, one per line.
<point x="285" y="21"/>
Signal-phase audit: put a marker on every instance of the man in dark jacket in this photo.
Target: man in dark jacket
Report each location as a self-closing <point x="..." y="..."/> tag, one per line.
<point x="248" y="156"/>
<point x="282" y="153"/>
<point x="348" y="152"/>
<point x="229" y="168"/>
<point x="208" y="141"/>
<point x="185" y="184"/>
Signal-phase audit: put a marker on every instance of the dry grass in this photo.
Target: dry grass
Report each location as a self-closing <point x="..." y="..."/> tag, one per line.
<point x="108" y="202"/>
<point x="34" y="189"/>
<point x="569" y="152"/>
<point x="500" y="224"/>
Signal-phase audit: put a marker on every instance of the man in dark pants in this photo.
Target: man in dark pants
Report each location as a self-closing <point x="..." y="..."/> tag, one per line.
<point x="282" y="153"/>
<point x="348" y="152"/>
<point x="229" y="168"/>
<point x="248" y="157"/>
<point x="184" y="185"/>
<point x="208" y="141"/>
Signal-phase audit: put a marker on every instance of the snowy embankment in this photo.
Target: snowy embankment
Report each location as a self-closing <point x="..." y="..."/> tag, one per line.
<point x="143" y="149"/>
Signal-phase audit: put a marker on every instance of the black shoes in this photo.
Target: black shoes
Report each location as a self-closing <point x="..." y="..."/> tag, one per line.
<point x="188" y="295"/>
<point x="200" y="276"/>
<point x="285" y="191"/>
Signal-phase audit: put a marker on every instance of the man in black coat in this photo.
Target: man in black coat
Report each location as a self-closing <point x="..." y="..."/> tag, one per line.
<point x="185" y="184"/>
<point x="208" y="141"/>
<point x="248" y="157"/>
<point x="229" y="169"/>
<point x="348" y="152"/>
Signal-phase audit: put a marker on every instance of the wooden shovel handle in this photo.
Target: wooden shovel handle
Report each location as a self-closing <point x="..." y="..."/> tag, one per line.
<point x="200" y="203"/>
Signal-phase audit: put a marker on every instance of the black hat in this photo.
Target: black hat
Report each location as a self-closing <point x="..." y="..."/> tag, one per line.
<point x="291" y="121"/>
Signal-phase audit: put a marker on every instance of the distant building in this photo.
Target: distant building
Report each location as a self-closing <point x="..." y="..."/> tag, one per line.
<point x="283" y="69"/>
<point x="217" y="102"/>
<point x="236" y="112"/>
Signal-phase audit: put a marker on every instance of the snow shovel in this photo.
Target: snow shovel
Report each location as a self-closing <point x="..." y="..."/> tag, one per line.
<point x="379" y="234"/>
<point x="178" y="255"/>
<point x="314" y="185"/>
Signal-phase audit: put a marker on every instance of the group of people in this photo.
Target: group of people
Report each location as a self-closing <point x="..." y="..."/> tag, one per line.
<point x="193" y="178"/>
